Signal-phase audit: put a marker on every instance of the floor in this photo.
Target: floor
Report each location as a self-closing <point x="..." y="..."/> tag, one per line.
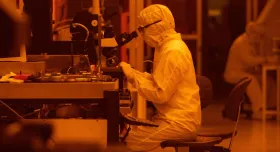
<point x="253" y="135"/>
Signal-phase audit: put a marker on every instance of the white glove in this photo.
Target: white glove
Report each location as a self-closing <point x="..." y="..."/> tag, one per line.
<point x="127" y="70"/>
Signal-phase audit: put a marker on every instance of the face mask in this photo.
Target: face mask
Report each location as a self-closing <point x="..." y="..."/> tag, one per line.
<point x="150" y="41"/>
<point x="148" y="34"/>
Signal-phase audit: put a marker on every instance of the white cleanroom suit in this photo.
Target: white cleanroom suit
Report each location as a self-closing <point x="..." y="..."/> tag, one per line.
<point x="172" y="87"/>
<point x="245" y="60"/>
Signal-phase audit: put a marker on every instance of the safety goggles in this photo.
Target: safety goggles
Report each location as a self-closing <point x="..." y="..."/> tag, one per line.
<point x="141" y="28"/>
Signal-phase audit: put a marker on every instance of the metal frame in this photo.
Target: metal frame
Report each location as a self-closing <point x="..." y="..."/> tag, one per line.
<point x="255" y="9"/>
<point x="109" y="105"/>
<point x="149" y="49"/>
<point x="199" y="22"/>
<point x="53" y="10"/>
<point x="236" y="124"/>
<point x="265" y="70"/>
<point x="136" y="54"/>
<point x="20" y="5"/>
<point x="252" y="10"/>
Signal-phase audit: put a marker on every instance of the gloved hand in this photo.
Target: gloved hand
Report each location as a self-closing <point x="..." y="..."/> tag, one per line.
<point x="127" y="70"/>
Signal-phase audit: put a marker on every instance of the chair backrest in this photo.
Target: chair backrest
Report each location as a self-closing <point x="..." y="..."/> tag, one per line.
<point x="205" y="90"/>
<point x="233" y="104"/>
<point x="235" y="99"/>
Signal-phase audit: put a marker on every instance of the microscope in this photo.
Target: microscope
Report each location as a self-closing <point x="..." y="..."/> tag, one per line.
<point x="102" y="35"/>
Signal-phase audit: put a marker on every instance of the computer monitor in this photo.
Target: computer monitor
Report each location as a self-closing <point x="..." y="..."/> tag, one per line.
<point x="13" y="29"/>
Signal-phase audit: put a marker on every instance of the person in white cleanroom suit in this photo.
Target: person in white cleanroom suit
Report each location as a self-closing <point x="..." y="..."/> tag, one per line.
<point x="245" y="60"/>
<point x="171" y="88"/>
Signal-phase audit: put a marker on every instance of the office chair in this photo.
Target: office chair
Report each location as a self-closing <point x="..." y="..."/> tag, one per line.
<point x="209" y="136"/>
<point x="205" y="90"/>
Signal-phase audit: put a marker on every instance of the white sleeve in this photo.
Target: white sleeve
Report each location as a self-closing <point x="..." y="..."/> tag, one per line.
<point x="165" y="78"/>
<point x="143" y="74"/>
<point x="245" y="53"/>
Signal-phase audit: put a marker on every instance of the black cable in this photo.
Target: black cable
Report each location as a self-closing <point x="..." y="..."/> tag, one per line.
<point x="126" y="134"/>
<point x="17" y="114"/>
<point x="11" y="109"/>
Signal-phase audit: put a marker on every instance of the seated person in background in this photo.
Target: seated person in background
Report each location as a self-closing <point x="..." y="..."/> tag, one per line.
<point x="245" y="60"/>
<point x="172" y="87"/>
